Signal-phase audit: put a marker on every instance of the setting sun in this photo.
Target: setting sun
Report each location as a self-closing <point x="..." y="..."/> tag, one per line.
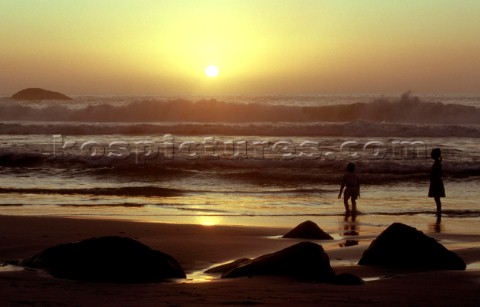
<point x="211" y="71"/>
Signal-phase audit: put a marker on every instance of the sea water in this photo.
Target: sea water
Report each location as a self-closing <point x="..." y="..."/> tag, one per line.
<point x="248" y="160"/>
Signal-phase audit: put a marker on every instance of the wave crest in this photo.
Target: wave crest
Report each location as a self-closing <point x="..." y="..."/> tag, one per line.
<point x="406" y="109"/>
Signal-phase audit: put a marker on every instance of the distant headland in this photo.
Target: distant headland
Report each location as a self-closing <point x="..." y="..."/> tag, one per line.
<point x="39" y="94"/>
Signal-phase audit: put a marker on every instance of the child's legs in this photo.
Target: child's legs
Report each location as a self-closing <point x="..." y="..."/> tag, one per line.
<point x="354" y="203"/>
<point x="439" y="205"/>
<point x="346" y="196"/>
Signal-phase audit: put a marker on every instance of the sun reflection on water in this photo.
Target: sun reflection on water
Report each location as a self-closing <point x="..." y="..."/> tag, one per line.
<point x="208" y="220"/>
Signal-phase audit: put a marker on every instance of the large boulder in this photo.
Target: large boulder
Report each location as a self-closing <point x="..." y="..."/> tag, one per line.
<point x="39" y="94"/>
<point x="305" y="260"/>
<point x="406" y="247"/>
<point x="308" y="230"/>
<point x="106" y="259"/>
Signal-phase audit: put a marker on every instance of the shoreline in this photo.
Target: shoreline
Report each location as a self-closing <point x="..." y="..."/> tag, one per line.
<point x="197" y="247"/>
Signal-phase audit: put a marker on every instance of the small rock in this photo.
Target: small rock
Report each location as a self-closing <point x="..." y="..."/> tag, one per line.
<point x="308" y="230"/>
<point x="224" y="268"/>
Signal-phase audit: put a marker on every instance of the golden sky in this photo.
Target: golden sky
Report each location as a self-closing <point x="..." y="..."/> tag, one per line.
<point x="259" y="46"/>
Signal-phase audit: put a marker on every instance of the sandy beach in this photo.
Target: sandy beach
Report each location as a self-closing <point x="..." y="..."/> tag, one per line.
<point x="199" y="247"/>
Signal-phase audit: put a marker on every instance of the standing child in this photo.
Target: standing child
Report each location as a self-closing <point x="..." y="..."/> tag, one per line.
<point x="352" y="188"/>
<point x="436" y="189"/>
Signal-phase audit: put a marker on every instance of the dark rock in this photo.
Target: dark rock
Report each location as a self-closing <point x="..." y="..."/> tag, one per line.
<point x="403" y="246"/>
<point x="305" y="260"/>
<point x="308" y="230"/>
<point x="224" y="268"/>
<point x="39" y="94"/>
<point x="107" y="259"/>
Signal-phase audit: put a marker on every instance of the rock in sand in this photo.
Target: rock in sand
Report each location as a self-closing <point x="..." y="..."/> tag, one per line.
<point x="308" y="230"/>
<point x="305" y="260"/>
<point x="107" y="259"/>
<point x="406" y="247"/>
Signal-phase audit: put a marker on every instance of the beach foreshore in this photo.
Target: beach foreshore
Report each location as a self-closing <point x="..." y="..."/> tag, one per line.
<point x="198" y="247"/>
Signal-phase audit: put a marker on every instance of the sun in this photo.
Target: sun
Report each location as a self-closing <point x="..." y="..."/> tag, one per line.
<point x="211" y="71"/>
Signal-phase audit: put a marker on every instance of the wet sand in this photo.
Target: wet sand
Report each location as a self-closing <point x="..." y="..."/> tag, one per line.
<point x="199" y="247"/>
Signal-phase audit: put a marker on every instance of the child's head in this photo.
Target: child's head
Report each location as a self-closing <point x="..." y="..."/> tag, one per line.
<point x="436" y="154"/>
<point x="350" y="167"/>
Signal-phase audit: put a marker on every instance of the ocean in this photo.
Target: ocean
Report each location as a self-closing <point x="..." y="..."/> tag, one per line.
<point x="242" y="160"/>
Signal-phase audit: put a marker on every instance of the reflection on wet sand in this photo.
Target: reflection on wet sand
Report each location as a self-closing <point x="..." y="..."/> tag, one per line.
<point x="437" y="226"/>
<point x="349" y="228"/>
<point x="350" y="225"/>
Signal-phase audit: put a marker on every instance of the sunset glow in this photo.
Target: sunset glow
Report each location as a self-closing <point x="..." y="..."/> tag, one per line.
<point x="158" y="47"/>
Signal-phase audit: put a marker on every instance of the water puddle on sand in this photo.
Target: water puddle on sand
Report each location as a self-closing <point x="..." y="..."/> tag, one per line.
<point x="475" y="266"/>
<point x="202" y="277"/>
<point x="375" y="278"/>
<point x="10" y="268"/>
<point x="199" y="277"/>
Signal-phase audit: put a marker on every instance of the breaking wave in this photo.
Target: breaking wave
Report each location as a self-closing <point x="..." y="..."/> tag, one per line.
<point x="406" y="109"/>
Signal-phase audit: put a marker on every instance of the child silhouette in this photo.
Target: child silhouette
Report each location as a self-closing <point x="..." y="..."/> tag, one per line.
<point x="352" y="188"/>
<point x="436" y="189"/>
